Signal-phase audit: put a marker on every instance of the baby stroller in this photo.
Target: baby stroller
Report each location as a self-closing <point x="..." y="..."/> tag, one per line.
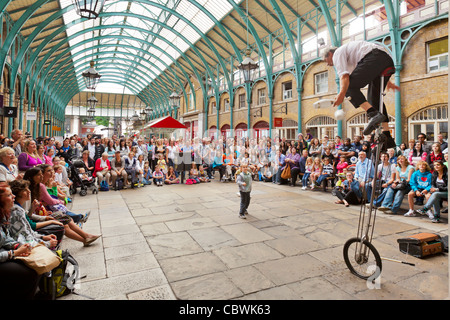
<point x="84" y="182"/>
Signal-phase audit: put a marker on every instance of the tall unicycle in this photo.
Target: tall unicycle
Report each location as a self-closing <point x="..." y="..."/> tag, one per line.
<point x="360" y="255"/>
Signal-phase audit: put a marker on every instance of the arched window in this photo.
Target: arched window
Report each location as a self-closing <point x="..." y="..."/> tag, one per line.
<point x="225" y="131"/>
<point x="241" y="130"/>
<point x="322" y="125"/>
<point x="261" y="129"/>
<point x="432" y="120"/>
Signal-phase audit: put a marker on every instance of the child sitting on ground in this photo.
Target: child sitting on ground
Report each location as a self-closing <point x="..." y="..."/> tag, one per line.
<point x="158" y="176"/>
<point x="147" y="174"/>
<point x="162" y="163"/>
<point x="202" y="174"/>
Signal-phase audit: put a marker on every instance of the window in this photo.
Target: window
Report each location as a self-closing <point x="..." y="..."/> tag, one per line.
<point x="227" y="105"/>
<point x="213" y="107"/>
<point x="287" y="90"/>
<point x="438" y="55"/>
<point x="191" y="101"/>
<point x="261" y="96"/>
<point x="242" y="101"/>
<point x="431" y="121"/>
<point x="321" y="82"/>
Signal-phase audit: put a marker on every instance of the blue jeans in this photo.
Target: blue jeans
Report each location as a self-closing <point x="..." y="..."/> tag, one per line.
<point x="359" y="192"/>
<point x="75" y="217"/>
<point x="305" y="179"/>
<point x="394" y="198"/>
<point x="435" y="201"/>
<point x="321" y="178"/>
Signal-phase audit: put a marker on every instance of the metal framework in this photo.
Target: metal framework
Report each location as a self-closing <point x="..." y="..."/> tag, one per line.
<point x="155" y="47"/>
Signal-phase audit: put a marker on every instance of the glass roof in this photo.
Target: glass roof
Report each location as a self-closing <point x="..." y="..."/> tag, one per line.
<point x="143" y="50"/>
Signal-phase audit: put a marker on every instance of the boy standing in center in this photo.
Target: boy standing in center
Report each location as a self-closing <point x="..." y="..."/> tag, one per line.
<point x="244" y="181"/>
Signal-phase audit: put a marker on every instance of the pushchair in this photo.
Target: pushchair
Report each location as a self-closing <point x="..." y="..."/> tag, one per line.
<point x="85" y="182"/>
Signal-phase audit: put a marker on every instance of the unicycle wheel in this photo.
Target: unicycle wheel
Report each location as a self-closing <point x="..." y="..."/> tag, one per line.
<point x="362" y="259"/>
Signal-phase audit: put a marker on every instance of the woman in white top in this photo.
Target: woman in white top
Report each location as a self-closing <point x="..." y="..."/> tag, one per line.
<point x="8" y="170"/>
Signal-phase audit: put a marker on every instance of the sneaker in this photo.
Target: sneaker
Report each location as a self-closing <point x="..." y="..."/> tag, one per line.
<point x="375" y="119"/>
<point x="421" y="211"/>
<point x="246" y="212"/>
<point x="430" y="214"/>
<point x="410" y="213"/>
<point x="435" y="220"/>
<point x="85" y="217"/>
<point x="303" y="188"/>
<point x="242" y="216"/>
<point x="312" y="187"/>
<point x="384" y="209"/>
<point x="141" y="185"/>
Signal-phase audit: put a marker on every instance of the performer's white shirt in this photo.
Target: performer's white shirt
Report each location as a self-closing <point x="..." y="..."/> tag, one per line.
<point x="347" y="56"/>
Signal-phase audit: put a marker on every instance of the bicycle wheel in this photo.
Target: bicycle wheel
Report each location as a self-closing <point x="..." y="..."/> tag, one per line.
<point x="362" y="259"/>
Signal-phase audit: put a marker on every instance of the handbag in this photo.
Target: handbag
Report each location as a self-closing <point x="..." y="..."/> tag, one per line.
<point x="401" y="185"/>
<point x="41" y="259"/>
<point x="286" y="174"/>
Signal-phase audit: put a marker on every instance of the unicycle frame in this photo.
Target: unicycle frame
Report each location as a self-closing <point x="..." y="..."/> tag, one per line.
<point x="366" y="223"/>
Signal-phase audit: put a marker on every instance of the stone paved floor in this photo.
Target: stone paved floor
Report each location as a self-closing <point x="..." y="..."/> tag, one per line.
<point x="187" y="242"/>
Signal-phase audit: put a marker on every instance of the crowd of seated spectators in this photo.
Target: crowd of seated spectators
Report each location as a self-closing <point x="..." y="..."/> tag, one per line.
<point x="35" y="174"/>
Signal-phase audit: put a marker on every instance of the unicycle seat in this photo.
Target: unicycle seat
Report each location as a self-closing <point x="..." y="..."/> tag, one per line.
<point x="389" y="71"/>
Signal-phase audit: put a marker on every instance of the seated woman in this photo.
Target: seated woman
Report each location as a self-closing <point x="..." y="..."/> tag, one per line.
<point x="420" y="185"/>
<point x="293" y="161"/>
<point x="171" y="177"/>
<point x="39" y="192"/>
<point x="88" y="161"/>
<point x="8" y="170"/>
<point x="18" y="224"/>
<point x="417" y="154"/>
<point x="346" y="193"/>
<point x="218" y="164"/>
<point x="29" y="157"/>
<point x="102" y="170"/>
<point x="438" y="191"/>
<point x="399" y="187"/>
<point x="17" y="280"/>
<point x="435" y="155"/>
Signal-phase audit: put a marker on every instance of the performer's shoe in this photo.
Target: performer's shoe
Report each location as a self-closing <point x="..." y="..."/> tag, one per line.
<point x="376" y="118"/>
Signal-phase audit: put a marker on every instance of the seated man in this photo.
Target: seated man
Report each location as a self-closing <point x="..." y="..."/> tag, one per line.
<point x="364" y="173"/>
<point x="347" y="150"/>
<point x="118" y="169"/>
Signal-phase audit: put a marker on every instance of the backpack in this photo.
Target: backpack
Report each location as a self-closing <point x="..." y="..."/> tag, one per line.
<point x="118" y="184"/>
<point x="104" y="186"/>
<point x="60" y="281"/>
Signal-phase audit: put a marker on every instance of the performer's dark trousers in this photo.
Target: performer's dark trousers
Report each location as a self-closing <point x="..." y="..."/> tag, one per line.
<point x="367" y="72"/>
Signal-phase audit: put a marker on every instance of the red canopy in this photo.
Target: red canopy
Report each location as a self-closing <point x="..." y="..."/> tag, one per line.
<point x="166" y="122"/>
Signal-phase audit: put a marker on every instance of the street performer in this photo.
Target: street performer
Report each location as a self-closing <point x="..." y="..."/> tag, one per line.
<point x="360" y="63"/>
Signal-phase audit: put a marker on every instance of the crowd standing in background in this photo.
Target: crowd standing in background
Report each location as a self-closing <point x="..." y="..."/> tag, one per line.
<point x="39" y="175"/>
